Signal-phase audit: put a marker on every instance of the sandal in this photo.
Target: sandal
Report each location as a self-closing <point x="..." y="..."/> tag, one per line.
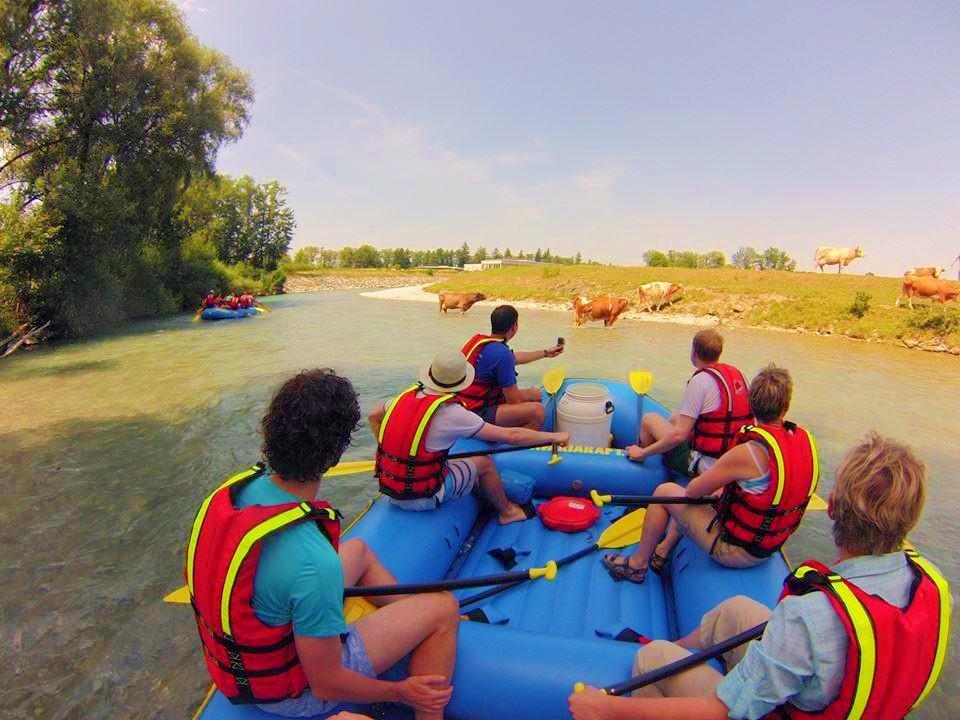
<point x="657" y="562"/>
<point x="622" y="570"/>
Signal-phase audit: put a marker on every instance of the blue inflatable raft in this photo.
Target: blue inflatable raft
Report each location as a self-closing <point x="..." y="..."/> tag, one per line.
<point x="543" y="637"/>
<point x="226" y="314"/>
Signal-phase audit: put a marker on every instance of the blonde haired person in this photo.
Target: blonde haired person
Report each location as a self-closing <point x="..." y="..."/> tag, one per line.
<point x="761" y="503"/>
<point x="819" y="637"/>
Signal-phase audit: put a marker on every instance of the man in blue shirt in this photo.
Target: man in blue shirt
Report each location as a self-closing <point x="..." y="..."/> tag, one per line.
<point x="494" y="394"/>
<point x="800" y="661"/>
<point x="300" y="578"/>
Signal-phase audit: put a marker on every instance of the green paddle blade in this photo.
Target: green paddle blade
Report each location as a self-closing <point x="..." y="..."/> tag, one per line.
<point x="625" y="531"/>
<point x="641" y="381"/>
<point x="553" y="379"/>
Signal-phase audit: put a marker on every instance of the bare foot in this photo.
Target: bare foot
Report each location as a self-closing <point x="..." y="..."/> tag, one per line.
<point x="511" y="514"/>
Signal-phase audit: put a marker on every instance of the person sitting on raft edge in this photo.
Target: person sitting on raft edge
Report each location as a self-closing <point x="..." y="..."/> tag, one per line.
<point x="494" y="394"/>
<point x="864" y="638"/>
<point x="414" y="434"/>
<point x="766" y="479"/>
<point x="284" y="644"/>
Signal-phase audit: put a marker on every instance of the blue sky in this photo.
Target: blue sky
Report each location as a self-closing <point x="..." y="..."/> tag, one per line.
<point x="608" y="128"/>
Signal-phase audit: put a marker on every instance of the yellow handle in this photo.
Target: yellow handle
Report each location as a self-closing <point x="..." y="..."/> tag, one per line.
<point x="548" y="571"/>
<point x="599" y="499"/>
<point x="554" y="458"/>
<point x="580" y="687"/>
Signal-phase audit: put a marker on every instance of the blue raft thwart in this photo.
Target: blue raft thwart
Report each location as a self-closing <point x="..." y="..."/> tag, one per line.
<point x="543" y="637"/>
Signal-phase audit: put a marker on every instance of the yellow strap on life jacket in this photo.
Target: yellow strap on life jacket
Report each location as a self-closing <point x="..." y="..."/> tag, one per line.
<point x="478" y="343"/>
<point x="202" y="513"/>
<point x="778" y="454"/>
<point x="815" y="481"/>
<point x="434" y="406"/>
<point x="943" y="631"/>
<point x="863" y="634"/>
<point x="250" y="538"/>
<point x="390" y="406"/>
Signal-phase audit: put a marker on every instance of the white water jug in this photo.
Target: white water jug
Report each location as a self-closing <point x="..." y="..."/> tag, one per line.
<point x="585" y="411"/>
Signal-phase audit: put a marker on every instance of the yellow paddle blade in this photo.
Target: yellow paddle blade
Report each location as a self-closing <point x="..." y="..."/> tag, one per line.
<point x="180" y="595"/>
<point x="355" y="608"/>
<point x="196" y="318"/>
<point x="817" y="503"/>
<point x="350" y="467"/>
<point x="260" y="309"/>
<point x="641" y="381"/>
<point x="553" y="379"/>
<point x="625" y="531"/>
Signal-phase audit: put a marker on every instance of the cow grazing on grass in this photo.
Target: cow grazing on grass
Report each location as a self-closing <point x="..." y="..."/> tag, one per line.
<point x="934" y="272"/>
<point x="603" y="307"/>
<point x="839" y="256"/>
<point x="462" y="300"/>
<point x="925" y="287"/>
<point x="657" y="294"/>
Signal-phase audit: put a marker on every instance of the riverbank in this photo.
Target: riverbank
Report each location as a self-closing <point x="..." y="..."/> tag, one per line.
<point x="357" y="279"/>
<point x="802" y="302"/>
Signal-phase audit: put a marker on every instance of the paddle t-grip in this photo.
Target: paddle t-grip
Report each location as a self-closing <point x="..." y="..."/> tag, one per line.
<point x="548" y="571"/>
<point x="599" y="499"/>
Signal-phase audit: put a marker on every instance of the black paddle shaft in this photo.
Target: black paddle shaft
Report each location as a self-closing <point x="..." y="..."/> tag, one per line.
<point x="411" y="588"/>
<point x="658" y="500"/>
<point x="680" y="665"/>
<point x="493" y="451"/>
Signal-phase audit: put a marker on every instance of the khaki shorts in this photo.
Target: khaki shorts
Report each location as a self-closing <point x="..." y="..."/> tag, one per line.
<point x="697" y="523"/>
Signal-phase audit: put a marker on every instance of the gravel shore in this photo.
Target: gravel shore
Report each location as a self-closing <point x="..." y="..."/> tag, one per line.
<point x="317" y="283"/>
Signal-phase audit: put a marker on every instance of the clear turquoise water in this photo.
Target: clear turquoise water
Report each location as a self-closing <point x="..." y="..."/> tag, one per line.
<point x="108" y="446"/>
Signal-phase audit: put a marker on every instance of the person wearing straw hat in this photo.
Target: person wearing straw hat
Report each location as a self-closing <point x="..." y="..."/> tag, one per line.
<point x="416" y="430"/>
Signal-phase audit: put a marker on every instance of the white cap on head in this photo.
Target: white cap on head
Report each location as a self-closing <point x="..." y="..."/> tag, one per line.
<point x="448" y="373"/>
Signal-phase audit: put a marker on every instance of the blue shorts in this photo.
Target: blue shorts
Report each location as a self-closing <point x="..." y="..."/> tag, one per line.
<point x="354" y="656"/>
<point x="488" y="414"/>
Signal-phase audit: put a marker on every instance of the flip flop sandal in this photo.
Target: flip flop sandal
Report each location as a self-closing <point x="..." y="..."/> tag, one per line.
<point x="622" y="570"/>
<point x="657" y="563"/>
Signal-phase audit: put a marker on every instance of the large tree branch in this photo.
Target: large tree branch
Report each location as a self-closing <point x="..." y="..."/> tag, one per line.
<point x="30" y="151"/>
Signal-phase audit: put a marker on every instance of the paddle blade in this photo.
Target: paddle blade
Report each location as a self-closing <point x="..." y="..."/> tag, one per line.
<point x="553" y="379"/>
<point x="260" y="309"/>
<point x="625" y="531"/>
<point x="196" y="318"/>
<point x="180" y="596"/>
<point x="641" y="381"/>
<point x="817" y="503"/>
<point x="355" y="608"/>
<point x="351" y="467"/>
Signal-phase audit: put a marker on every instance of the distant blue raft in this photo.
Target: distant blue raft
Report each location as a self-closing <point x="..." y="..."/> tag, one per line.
<point x="225" y="314"/>
<point x="543" y="637"/>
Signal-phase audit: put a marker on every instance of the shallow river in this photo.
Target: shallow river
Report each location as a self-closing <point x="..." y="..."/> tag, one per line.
<point x="108" y="446"/>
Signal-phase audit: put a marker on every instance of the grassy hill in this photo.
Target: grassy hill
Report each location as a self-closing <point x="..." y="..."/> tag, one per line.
<point x="801" y="301"/>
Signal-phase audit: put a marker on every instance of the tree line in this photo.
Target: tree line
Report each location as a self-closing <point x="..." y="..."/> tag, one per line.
<point x="367" y="256"/>
<point x="746" y="258"/>
<point x="111" y="118"/>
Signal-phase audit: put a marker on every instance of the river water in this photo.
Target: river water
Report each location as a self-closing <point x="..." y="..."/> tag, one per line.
<point x="108" y="446"/>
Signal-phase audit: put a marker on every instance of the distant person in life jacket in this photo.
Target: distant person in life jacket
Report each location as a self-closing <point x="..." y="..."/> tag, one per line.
<point x="494" y="394"/>
<point x="766" y="480"/>
<point x="283" y="643"/>
<point x="416" y="430"/>
<point x="210" y="301"/>
<point x="713" y="409"/>
<point x="865" y="638"/>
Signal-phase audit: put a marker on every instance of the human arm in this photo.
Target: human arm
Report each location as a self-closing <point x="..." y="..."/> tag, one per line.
<point x="591" y="704"/>
<point x="375" y="418"/>
<point x="528" y="356"/>
<point x="520" y="436"/>
<point x="735" y="464"/>
<point x="330" y="680"/>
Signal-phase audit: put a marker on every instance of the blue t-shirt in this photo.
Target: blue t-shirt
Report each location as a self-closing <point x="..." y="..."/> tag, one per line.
<point x="497" y="365"/>
<point x="299" y="578"/>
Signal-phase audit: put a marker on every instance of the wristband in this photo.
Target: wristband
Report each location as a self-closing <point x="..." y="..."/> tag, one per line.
<point x="545" y="353"/>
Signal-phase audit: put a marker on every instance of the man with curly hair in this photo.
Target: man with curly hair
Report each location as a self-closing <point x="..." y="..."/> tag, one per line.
<point x="296" y="590"/>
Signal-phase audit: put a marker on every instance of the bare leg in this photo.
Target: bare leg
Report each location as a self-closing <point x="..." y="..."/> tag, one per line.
<point x="526" y="414"/>
<point x="673" y="537"/>
<point x="492" y="488"/>
<point x="426" y="624"/>
<point x="653" y="427"/>
<point x="361" y="566"/>
<point x="654" y="524"/>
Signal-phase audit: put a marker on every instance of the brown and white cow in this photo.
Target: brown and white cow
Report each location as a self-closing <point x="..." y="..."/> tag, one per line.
<point x="603" y="307"/>
<point x="657" y="294"/>
<point x="839" y="256"/>
<point x="934" y="272"/>
<point x="925" y="287"/>
<point x="462" y="300"/>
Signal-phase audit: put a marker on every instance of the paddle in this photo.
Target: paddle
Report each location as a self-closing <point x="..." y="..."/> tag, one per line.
<point x="196" y="317"/>
<point x="679" y="666"/>
<point x="816" y="502"/>
<point x="261" y="308"/>
<point x="625" y="531"/>
<point x="641" y="381"/>
<point x="552" y="382"/>
<point x="548" y="571"/>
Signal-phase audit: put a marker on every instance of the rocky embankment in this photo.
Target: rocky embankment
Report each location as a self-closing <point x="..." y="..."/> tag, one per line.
<point x="317" y="283"/>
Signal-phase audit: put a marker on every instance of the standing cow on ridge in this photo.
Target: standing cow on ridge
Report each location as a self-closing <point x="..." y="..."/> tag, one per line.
<point x="839" y="256"/>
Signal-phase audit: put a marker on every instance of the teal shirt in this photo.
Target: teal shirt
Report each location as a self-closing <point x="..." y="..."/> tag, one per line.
<point x="299" y="578"/>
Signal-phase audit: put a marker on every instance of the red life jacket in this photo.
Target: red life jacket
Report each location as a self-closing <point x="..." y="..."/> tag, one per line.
<point x="249" y="661"/>
<point x="481" y="394"/>
<point x="762" y="522"/>
<point x="234" y="304"/>
<point x="210" y="301"/>
<point x="713" y="432"/>
<point x="894" y="656"/>
<point x="405" y="468"/>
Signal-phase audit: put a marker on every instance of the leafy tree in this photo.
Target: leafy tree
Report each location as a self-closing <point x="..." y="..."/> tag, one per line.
<point x="366" y="256"/>
<point x="537" y="256"/>
<point x="401" y="258"/>
<point x="463" y="255"/>
<point x="480" y="255"/>
<point x="776" y="259"/>
<point x="307" y="255"/>
<point x="712" y="259"/>
<point x="746" y="258"/>
<point x="654" y="258"/>
<point x="579" y="258"/>
<point x="496" y="254"/>
<point x="507" y="253"/>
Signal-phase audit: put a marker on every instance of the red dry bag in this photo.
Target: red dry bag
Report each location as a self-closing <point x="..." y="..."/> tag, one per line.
<point x="568" y="514"/>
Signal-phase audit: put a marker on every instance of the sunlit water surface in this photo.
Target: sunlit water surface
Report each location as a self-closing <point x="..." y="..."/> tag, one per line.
<point x="108" y="446"/>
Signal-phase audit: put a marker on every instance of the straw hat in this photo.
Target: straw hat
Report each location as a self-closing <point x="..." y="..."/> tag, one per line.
<point x="448" y="373"/>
